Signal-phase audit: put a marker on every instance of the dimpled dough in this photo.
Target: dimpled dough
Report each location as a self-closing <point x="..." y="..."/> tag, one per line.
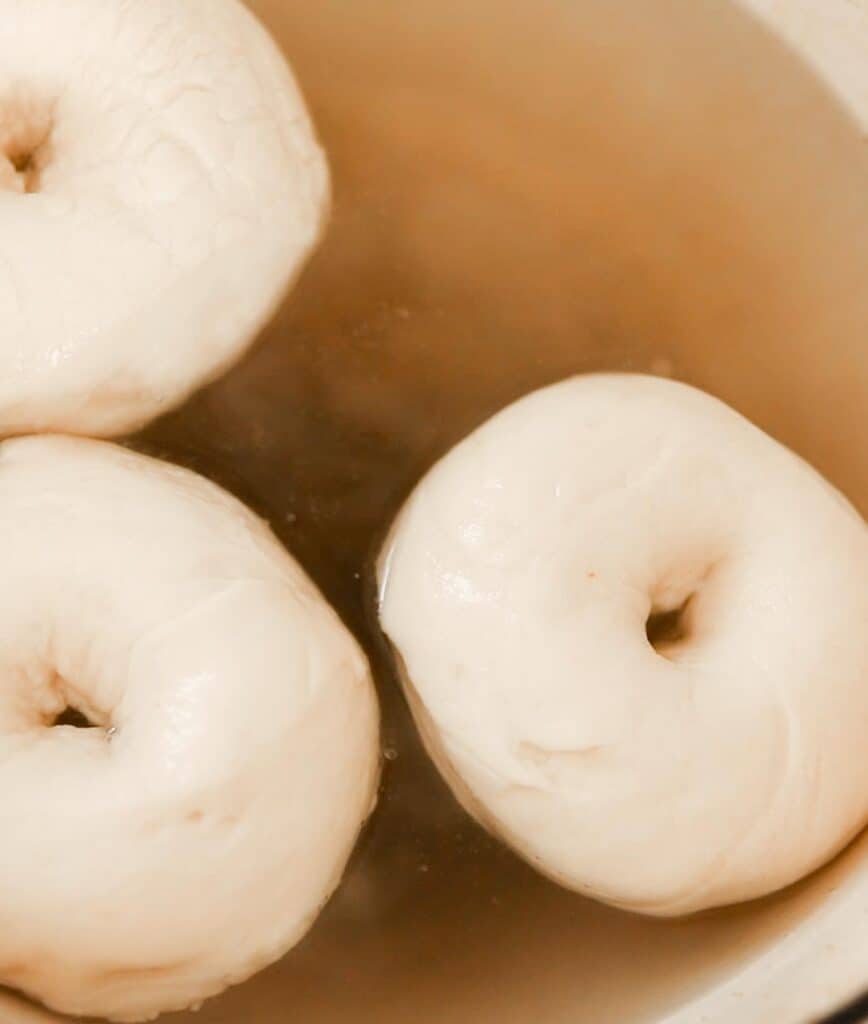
<point x="193" y="835"/>
<point x="160" y="186"/>
<point x="516" y="587"/>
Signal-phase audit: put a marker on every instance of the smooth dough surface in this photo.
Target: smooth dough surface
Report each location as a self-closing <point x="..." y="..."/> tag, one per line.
<point x="516" y="587"/>
<point x="175" y="189"/>
<point x="191" y="839"/>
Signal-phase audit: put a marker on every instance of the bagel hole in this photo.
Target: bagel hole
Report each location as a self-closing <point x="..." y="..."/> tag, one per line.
<point x="25" y="144"/>
<point x="26" y="167"/>
<point x="74" y="719"/>
<point x="668" y="629"/>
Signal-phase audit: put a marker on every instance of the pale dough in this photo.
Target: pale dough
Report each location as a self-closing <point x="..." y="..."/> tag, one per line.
<point x="193" y="836"/>
<point x="175" y="190"/>
<point x="516" y="586"/>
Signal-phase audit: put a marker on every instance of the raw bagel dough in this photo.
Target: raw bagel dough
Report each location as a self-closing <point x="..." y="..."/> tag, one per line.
<point x="176" y="190"/>
<point x="516" y="587"/>
<point x="193" y="838"/>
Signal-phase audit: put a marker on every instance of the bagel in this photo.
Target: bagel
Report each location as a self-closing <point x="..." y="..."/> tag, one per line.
<point x="632" y="631"/>
<point x="188" y="735"/>
<point x="160" y="186"/>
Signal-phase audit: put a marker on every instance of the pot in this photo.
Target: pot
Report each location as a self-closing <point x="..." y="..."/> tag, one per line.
<point x="526" y="191"/>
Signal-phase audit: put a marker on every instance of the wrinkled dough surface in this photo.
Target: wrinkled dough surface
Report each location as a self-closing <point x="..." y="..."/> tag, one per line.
<point x="193" y="838"/>
<point x="160" y="186"/>
<point x="517" y="586"/>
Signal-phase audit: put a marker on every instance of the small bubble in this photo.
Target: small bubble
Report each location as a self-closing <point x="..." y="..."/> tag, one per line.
<point x="423" y="868"/>
<point x="291" y="517"/>
<point x="390" y="754"/>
